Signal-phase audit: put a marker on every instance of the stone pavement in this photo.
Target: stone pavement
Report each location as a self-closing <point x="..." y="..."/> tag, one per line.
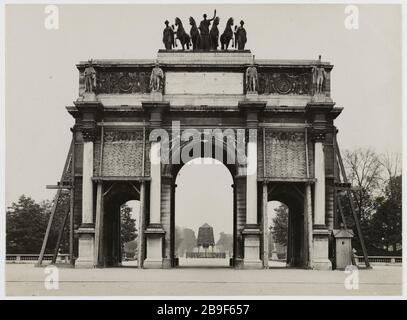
<point x="27" y="280"/>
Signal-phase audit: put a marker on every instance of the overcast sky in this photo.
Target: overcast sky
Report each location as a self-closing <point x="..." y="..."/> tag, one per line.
<point x="41" y="79"/>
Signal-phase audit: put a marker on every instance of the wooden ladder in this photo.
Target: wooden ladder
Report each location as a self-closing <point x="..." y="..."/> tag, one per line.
<point x="62" y="186"/>
<point x="344" y="185"/>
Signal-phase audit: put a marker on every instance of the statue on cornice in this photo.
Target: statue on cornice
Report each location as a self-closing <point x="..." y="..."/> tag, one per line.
<point x="156" y="78"/>
<point x="251" y="78"/>
<point x="319" y="75"/>
<point x="168" y="36"/>
<point x="90" y="77"/>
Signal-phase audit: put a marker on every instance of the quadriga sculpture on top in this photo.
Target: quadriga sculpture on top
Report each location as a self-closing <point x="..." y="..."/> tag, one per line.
<point x="203" y="37"/>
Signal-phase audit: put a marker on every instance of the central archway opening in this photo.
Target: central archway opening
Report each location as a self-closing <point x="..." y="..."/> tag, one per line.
<point x="204" y="214"/>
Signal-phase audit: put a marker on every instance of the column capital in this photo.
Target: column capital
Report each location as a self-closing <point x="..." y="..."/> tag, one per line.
<point x="318" y="135"/>
<point x="88" y="133"/>
<point x="155" y="109"/>
<point x="252" y="109"/>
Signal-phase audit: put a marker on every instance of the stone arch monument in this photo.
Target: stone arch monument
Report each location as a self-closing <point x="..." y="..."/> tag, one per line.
<point x="288" y="136"/>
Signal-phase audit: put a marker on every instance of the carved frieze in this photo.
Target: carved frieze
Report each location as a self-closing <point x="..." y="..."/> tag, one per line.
<point x="285" y="137"/>
<point x="285" y="83"/>
<point x="122" y="136"/>
<point x="123" y="82"/>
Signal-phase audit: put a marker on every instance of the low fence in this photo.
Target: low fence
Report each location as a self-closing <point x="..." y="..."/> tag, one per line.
<point x="380" y="259"/>
<point x="216" y="255"/>
<point x="33" y="258"/>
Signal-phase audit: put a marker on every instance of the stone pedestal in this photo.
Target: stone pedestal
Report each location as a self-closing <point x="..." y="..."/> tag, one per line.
<point x="251" y="237"/>
<point x="320" y="252"/>
<point x="86" y="249"/>
<point x="89" y="97"/>
<point x="321" y="98"/>
<point x="154" y="236"/>
<point x="252" y="96"/>
<point x="156" y="96"/>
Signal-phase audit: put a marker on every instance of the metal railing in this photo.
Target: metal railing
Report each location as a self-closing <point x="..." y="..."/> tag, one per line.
<point x="33" y="258"/>
<point x="380" y="259"/>
<point x="219" y="255"/>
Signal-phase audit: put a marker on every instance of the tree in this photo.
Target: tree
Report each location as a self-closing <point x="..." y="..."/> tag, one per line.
<point x="186" y="240"/>
<point x="225" y="242"/>
<point x="128" y="224"/>
<point x="280" y="225"/>
<point x="26" y="222"/>
<point x="386" y="221"/>
<point x="377" y="198"/>
<point x="364" y="170"/>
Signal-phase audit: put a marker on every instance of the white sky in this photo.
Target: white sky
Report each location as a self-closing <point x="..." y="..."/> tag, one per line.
<point x="41" y="79"/>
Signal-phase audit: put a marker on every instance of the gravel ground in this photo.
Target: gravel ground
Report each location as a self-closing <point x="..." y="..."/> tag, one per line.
<point x="27" y="280"/>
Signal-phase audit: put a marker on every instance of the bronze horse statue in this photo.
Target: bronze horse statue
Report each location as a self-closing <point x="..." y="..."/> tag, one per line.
<point x="182" y="36"/>
<point x="227" y="35"/>
<point x="195" y="35"/>
<point x="214" y="34"/>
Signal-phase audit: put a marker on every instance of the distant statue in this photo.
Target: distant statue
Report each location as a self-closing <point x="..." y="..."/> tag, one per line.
<point x="182" y="36"/>
<point x="156" y="78"/>
<point x="168" y="36"/>
<point x="195" y="36"/>
<point x="204" y="29"/>
<point x="227" y="35"/>
<point x="241" y="36"/>
<point x="251" y="78"/>
<point x="319" y="75"/>
<point x="214" y="34"/>
<point x="90" y="77"/>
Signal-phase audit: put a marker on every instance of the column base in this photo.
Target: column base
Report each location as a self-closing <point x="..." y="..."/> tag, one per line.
<point x="251" y="236"/>
<point x="86" y="250"/>
<point x="154" y="235"/>
<point x="320" y="259"/>
<point x="167" y="263"/>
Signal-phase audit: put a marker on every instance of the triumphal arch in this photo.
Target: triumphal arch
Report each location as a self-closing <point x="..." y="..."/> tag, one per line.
<point x="137" y="122"/>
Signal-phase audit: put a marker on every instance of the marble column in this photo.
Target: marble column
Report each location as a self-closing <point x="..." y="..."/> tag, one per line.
<point x="251" y="183"/>
<point x="265" y="226"/>
<point x="252" y="231"/>
<point x="86" y="250"/>
<point x="99" y="225"/>
<point x="155" y="184"/>
<point x="319" y="201"/>
<point x="154" y="231"/>
<point x="320" y="251"/>
<point x="142" y="217"/>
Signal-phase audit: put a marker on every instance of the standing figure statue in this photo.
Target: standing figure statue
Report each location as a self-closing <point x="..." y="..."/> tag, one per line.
<point x="195" y="36"/>
<point x="241" y="36"/>
<point x="204" y="29"/>
<point x="90" y="77"/>
<point x="214" y="34"/>
<point x="168" y="36"/>
<point x="319" y="75"/>
<point x="227" y="35"/>
<point x="156" y="78"/>
<point x="251" y="78"/>
<point x="182" y="36"/>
